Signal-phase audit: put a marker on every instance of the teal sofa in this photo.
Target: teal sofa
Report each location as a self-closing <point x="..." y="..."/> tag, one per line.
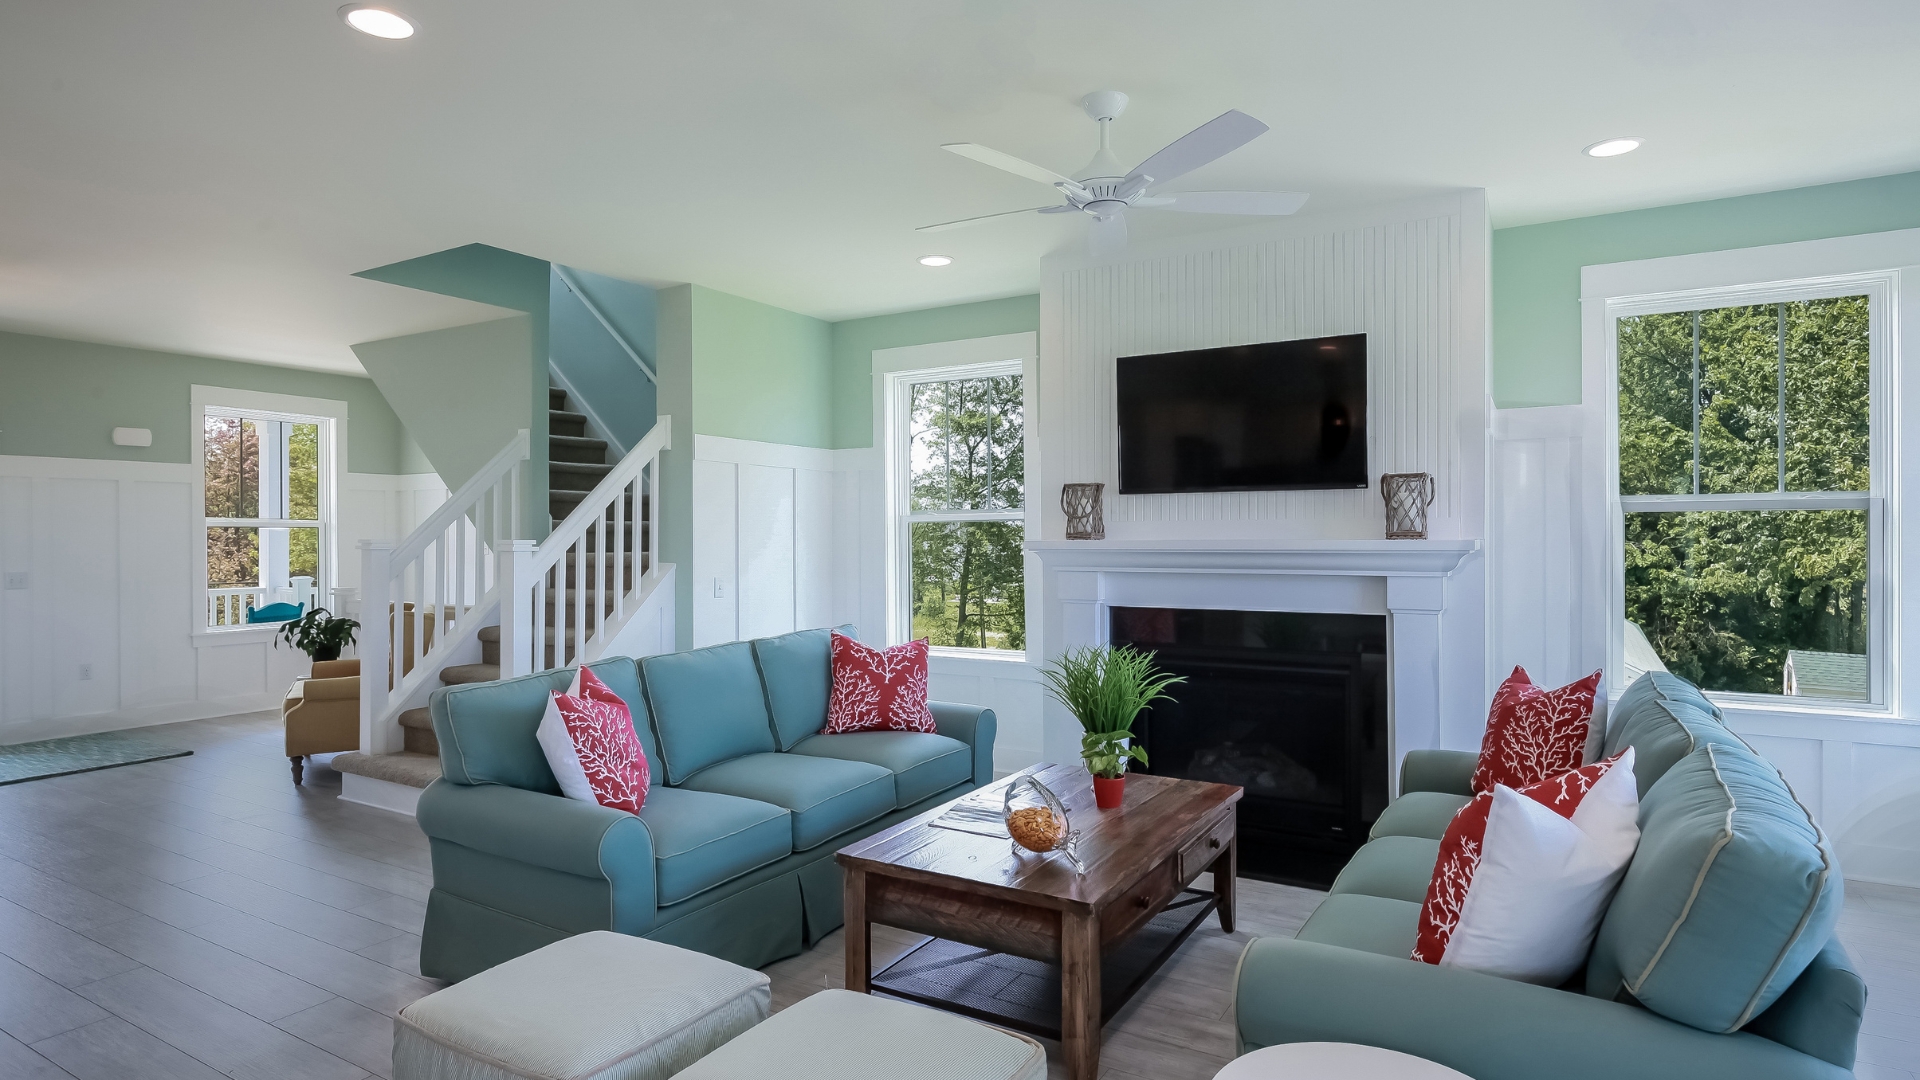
<point x="732" y="853"/>
<point x="1716" y="959"/>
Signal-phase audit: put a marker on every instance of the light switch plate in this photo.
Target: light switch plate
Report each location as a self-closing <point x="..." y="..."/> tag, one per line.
<point x="17" y="580"/>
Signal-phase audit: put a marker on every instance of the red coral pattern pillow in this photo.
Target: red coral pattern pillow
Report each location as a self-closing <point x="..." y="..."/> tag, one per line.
<point x="589" y="741"/>
<point x="1527" y="893"/>
<point x="1533" y="733"/>
<point x="878" y="689"/>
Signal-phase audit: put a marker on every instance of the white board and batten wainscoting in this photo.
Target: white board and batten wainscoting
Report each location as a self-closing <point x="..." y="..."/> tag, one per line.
<point x="98" y="613"/>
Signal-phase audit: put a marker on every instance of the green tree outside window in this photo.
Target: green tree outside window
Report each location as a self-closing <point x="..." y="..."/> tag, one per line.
<point x="966" y="494"/>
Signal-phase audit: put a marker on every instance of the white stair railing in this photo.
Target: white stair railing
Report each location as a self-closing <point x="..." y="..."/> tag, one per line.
<point x="567" y="597"/>
<point x="416" y="593"/>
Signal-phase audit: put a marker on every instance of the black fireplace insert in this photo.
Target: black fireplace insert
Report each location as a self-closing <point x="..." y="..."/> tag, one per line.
<point x="1290" y="706"/>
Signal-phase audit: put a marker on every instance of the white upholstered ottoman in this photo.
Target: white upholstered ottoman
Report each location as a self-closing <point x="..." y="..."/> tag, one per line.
<point x="841" y="1035"/>
<point x="597" y="1006"/>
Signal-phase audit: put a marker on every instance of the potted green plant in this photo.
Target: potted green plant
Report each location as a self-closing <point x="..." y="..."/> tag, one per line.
<point x="318" y="633"/>
<point x="1105" y="688"/>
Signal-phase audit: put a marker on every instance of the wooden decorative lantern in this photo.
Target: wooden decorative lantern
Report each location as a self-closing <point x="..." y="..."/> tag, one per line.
<point x="1408" y="495"/>
<point x="1081" y="504"/>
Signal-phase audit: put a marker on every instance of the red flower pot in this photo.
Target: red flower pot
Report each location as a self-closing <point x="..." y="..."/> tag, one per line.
<point x="1108" y="793"/>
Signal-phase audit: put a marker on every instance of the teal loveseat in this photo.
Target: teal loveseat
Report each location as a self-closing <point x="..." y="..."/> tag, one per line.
<point x="1716" y="959"/>
<point x="732" y="853"/>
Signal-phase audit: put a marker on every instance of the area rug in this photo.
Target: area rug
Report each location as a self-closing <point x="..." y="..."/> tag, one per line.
<point x="77" y="754"/>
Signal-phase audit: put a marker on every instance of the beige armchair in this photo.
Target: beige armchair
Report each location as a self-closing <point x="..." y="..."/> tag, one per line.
<point x="322" y="712"/>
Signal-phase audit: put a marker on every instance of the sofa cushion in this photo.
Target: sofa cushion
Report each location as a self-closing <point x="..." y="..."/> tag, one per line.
<point x="486" y="730"/>
<point x="921" y="764"/>
<point x="1733" y="891"/>
<point x="621" y="674"/>
<point x="1425" y="814"/>
<point x="707" y="707"/>
<point x="1661" y="732"/>
<point x="1397" y="867"/>
<point x="797" y="671"/>
<point x="701" y="839"/>
<point x="1655" y="686"/>
<point x="1375" y="924"/>
<point x="827" y="796"/>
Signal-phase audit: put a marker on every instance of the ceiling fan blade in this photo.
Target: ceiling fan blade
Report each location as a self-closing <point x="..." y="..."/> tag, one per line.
<point x="945" y="225"/>
<point x="1107" y="236"/>
<point x="1061" y="209"/>
<point x="1152" y="202"/>
<point x="1218" y="137"/>
<point x="986" y="155"/>
<point x="1267" y="203"/>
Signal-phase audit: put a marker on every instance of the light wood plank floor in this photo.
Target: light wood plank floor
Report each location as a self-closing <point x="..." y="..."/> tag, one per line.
<point x="201" y="917"/>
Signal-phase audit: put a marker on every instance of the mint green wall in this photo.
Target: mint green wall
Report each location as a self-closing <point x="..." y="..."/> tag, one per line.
<point x="760" y="372"/>
<point x="463" y="388"/>
<point x="855" y="340"/>
<point x="62" y="398"/>
<point x="1536" y="268"/>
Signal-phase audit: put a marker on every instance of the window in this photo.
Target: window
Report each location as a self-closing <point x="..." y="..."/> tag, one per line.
<point x="264" y="513"/>
<point x="959" y="446"/>
<point x="1749" y="523"/>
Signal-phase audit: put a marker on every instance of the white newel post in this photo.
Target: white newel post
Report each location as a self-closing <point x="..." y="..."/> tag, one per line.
<point x="1414" y="604"/>
<point x="376" y="642"/>
<point x="515" y="578"/>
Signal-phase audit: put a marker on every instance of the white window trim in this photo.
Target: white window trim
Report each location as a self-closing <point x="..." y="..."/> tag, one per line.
<point x="1876" y="265"/>
<point x="895" y="371"/>
<point x="332" y="417"/>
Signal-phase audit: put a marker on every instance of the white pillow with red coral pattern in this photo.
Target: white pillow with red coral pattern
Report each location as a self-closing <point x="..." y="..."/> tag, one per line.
<point x="1524" y="876"/>
<point x="588" y="738"/>
<point x="878" y="689"/>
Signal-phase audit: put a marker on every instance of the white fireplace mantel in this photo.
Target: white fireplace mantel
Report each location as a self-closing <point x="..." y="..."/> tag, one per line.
<point x="1405" y="580"/>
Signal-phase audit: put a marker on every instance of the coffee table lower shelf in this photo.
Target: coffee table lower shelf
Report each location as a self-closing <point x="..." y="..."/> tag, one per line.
<point x="1023" y="994"/>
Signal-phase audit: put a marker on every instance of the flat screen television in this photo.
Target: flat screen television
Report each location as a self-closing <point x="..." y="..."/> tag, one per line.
<point x="1277" y="416"/>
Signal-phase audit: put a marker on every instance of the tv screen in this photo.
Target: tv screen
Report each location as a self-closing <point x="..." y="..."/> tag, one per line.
<point x="1282" y="415"/>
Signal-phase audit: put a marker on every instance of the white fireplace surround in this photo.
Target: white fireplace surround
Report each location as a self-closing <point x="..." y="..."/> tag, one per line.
<point x="1414" y="583"/>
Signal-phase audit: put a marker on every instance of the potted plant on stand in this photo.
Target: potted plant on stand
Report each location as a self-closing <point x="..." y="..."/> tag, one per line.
<point x="319" y="634"/>
<point x="1106" y="688"/>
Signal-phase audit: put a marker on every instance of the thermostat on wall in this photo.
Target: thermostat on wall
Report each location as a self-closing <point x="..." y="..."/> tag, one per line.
<point x="132" y="436"/>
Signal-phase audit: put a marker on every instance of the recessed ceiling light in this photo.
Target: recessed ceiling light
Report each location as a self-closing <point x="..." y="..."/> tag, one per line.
<point x="1626" y="144"/>
<point x="378" y="21"/>
<point x="935" y="260"/>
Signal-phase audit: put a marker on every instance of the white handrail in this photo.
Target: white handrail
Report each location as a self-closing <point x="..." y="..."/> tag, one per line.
<point x="546" y="617"/>
<point x="594" y="310"/>
<point x="415" y="593"/>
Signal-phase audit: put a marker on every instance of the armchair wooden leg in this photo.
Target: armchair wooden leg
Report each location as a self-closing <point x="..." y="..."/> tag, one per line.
<point x="299" y="765"/>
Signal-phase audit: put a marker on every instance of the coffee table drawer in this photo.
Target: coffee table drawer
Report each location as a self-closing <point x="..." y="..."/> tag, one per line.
<point x="1200" y="853"/>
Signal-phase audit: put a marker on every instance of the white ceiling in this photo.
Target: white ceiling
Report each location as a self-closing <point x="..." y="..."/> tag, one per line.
<point x="203" y="175"/>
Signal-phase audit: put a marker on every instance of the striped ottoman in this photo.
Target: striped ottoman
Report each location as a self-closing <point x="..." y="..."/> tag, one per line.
<point x="840" y="1035"/>
<point x="597" y="1006"/>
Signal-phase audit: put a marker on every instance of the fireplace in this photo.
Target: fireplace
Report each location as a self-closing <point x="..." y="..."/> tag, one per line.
<point x="1291" y="707"/>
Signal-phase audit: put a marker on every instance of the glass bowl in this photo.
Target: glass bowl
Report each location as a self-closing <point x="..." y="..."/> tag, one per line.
<point x="1037" y="821"/>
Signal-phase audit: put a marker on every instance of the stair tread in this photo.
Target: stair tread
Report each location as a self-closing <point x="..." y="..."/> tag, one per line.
<point x="417" y="718"/>
<point x="564" y="414"/>
<point x="469" y="673"/>
<point x="409" y="768"/>
<point x="580" y="441"/>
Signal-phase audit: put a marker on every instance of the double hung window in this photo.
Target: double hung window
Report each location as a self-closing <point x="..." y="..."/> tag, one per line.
<point x="264" y="514"/>
<point x="959" y="464"/>
<point x="1746" y="438"/>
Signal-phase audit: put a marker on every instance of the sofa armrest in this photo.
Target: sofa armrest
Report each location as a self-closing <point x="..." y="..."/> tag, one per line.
<point x="974" y="725"/>
<point x="336" y="689"/>
<point x="1449" y="772"/>
<point x="1487" y="1027"/>
<point x="573" y="837"/>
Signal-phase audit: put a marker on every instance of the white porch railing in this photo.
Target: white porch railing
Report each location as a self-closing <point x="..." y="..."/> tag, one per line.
<point x="569" y="595"/>
<point x="417" y="593"/>
<point x="230" y="607"/>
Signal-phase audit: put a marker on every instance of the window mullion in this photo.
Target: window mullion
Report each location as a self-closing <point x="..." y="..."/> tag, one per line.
<point x="1781" y="424"/>
<point x="1696" y="403"/>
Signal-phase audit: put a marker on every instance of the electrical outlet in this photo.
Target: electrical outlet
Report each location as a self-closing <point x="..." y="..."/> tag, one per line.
<point x="719" y="587"/>
<point x="17" y="580"/>
<point x="86" y="672"/>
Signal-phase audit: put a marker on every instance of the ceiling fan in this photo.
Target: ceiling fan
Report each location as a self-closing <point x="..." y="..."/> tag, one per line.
<point x="1105" y="191"/>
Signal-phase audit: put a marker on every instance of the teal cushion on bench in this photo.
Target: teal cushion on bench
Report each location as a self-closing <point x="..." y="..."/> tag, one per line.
<point x="701" y="839"/>
<point x="1732" y="892"/>
<point x="707" y="707"/>
<point x="826" y="796"/>
<point x="922" y="763"/>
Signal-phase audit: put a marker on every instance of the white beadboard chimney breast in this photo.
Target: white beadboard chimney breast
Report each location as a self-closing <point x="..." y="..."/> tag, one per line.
<point x="1411" y="276"/>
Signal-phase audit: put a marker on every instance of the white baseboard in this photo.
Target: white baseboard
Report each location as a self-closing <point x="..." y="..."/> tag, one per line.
<point x="125" y="719"/>
<point x="379" y="794"/>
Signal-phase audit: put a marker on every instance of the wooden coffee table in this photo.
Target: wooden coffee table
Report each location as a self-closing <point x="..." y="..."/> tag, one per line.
<point x="1005" y="924"/>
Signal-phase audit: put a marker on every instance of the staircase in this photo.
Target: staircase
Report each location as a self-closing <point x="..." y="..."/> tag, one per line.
<point x="576" y="463"/>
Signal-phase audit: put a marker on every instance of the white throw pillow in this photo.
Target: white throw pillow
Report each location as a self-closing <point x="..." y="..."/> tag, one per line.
<point x="1543" y="881"/>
